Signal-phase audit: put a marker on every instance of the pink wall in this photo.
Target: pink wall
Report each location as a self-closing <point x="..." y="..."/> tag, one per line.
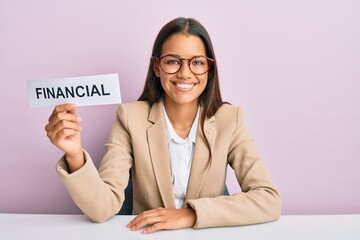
<point x="292" y="65"/>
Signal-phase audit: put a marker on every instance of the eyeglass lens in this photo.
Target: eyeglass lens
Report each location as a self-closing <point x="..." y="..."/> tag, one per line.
<point x="172" y="64"/>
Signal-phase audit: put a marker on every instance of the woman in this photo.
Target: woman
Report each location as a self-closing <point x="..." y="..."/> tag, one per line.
<point x="177" y="140"/>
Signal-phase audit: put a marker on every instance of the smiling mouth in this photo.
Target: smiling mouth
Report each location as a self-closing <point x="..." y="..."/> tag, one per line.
<point x="184" y="85"/>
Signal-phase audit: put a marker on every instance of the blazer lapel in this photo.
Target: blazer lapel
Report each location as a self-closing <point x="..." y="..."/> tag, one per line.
<point x="201" y="160"/>
<point x="157" y="139"/>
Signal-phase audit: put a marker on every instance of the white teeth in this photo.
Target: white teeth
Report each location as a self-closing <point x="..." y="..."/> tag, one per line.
<point x="184" y="86"/>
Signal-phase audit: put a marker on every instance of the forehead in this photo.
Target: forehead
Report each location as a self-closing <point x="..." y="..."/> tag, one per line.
<point x="184" y="45"/>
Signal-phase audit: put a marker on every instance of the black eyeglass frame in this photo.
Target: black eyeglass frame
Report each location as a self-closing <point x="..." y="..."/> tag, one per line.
<point x="210" y="62"/>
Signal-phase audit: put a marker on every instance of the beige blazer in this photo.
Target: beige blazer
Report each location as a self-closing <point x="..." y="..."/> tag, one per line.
<point x="139" y="140"/>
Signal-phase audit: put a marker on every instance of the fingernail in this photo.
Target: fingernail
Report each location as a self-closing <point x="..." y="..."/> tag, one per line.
<point x="78" y="119"/>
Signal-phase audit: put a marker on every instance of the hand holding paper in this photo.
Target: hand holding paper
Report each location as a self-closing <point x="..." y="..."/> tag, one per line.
<point x="66" y="94"/>
<point x="63" y="130"/>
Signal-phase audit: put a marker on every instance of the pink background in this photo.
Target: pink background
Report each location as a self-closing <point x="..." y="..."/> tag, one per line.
<point x="292" y="65"/>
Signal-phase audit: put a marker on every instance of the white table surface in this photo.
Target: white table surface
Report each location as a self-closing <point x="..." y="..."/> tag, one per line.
<point x="52" y="227"/>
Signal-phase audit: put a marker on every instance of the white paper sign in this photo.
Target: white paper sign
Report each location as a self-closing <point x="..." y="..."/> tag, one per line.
<point x="83" y="91"/>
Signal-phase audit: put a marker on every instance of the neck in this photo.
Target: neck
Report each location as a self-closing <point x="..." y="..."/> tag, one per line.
<point x="181" y="116"/>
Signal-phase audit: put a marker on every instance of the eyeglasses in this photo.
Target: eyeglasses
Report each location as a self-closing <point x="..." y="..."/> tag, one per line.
<point x="171" y="64"/>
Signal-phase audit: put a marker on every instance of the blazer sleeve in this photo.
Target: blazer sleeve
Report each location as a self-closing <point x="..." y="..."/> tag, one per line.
<point x="100" y="193"/>
<point x="258" y="202"/>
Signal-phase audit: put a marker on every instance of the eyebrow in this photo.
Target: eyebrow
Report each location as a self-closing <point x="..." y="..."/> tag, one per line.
<point x="178" y="56"/>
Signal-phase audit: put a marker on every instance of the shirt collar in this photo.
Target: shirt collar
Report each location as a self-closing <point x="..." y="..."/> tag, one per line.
<point x="173" y="135"/>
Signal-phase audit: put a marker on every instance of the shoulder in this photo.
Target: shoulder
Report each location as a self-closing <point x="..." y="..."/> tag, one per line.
<point x="227" y="118"/>
<point x="133" y="112"/>
<point x="228" y="121"/>
<point x="135" y="107"/>
<point x="228" y="112"/>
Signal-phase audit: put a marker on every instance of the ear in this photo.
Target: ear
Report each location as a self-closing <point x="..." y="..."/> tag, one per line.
<point x="156" y="69"/>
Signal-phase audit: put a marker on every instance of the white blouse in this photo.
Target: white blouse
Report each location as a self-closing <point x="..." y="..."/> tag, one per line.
<point x="181" y="152"/>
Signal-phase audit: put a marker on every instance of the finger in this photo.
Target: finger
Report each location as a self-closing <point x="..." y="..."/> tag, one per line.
<point x="62" y="135"/>
<point x="59" y="117"/>
<point x="136" y="219"/>
<point x="144" y="220"/>
<point x="62" y="125"/>
<point x="58" y="124"/>
<point x="143" y="215"/>
<point x="153" y="228"/>
<point x="67" y="107"/>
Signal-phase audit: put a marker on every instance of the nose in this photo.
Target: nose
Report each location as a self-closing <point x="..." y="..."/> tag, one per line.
<point x="185" y="70"/>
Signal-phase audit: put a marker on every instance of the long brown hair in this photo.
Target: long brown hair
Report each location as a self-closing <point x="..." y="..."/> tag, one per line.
<point x="210" y="99"/>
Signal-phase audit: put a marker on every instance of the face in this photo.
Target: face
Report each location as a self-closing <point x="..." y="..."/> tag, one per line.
<point x="183" y="87"/>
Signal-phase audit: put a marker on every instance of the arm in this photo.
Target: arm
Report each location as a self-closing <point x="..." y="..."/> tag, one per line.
<point x="100" y="193"/>
<point x="259" y="200"/>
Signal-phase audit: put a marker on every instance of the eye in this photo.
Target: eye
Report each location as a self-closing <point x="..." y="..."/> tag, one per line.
<point x="173" y="62"/>
<point x="197" y="62"/>
<point x="169" y="60"/>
